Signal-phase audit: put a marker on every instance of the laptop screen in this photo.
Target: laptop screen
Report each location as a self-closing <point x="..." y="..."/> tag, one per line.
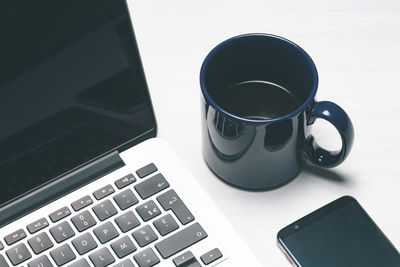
<point x="72" y="89"/>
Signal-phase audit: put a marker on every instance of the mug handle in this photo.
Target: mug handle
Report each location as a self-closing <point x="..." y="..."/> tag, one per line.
<point x="334" y="114"/>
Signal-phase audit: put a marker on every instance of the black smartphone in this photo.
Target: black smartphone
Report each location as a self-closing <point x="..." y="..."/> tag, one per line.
<point x="340" y="234"/>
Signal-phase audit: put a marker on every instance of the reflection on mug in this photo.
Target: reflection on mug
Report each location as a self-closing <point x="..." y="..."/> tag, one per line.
<point x="226" y="126"/>
<point x="229" y="138"/>
<point x="277" y="135"/>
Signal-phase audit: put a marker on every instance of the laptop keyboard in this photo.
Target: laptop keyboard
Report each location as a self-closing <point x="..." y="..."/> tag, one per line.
<point x="116" y="225"/>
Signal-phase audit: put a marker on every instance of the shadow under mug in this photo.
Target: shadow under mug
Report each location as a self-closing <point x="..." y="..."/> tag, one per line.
<point x="256" y="152"/>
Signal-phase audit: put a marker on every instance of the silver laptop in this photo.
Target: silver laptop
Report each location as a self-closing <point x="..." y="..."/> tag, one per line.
<point x="84" y="181"/>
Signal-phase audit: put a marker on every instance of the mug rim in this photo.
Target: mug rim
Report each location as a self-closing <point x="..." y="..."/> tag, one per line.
<point x="298" y="110"/>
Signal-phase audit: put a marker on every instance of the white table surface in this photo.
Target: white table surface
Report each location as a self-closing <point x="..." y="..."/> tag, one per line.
<point x="356" y="47"/>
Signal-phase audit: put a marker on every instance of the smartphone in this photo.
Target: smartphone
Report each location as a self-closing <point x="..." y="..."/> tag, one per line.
<point x="340" y="234"/>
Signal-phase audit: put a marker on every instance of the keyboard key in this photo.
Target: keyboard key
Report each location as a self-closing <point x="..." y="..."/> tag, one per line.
<point x="82" y="203"/>
<point x="40" y="243"/>
<point x="165" y="224"/>
<point x="42" y="261"/>
<point x="104" y="210"/>
<point x="151" y="186"/>
<point x="83" y="221"/>
<point x="146" y="170"/>
<point x="146" y="258"/>
<point x="102" y="258"/>
<point x="123" y="247"/>
<point x="105" y="232"/>
<point x="125" y="181"/>
<point x="171" y="201"/>
<point x="186" y="259"/>
<point x="126" y="199"/>
<point x="18" y="254"/>
<point x="1" y="246"/>
<point x="60" y="214"/>
<point x="148" y="210"/>
<point x="84" y="243"/>
<point x="37" y="225"/>
<point x="211" y="256"/>
<point x="125" y="263"/>
<point x="62" y="232"/>
<point x="181" y="240"/>
<point x="15" y="237"/>
<point x="80" y="263"/>
<point x="193" y="263"/>
<point x="3" y="262"/>
<point x="144" y="235"/>
<point x="103" y="192"/>
<point x="62" y="255"/>
<point x="127" y="221"/>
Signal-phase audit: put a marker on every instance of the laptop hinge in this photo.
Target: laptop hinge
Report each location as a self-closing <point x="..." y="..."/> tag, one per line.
<point x="60" y="187"/>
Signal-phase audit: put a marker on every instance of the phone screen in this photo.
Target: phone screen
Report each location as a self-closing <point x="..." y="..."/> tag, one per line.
<point x="340" y="234"/>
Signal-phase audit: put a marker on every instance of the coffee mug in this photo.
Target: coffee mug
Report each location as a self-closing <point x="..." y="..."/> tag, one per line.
<point x="258" y="109"/>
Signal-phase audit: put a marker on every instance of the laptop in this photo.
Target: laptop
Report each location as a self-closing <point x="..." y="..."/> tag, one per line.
<point x="84" y="180"/>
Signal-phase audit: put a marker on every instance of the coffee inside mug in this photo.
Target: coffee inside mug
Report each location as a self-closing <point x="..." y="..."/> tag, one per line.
<point x="258" y="77"/>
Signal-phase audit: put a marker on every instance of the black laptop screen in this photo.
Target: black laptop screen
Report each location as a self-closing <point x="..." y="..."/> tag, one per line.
<point x="72" y="88"/>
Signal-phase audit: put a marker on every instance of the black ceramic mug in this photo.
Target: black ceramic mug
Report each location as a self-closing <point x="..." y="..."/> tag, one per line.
<point x="257" y="112"/>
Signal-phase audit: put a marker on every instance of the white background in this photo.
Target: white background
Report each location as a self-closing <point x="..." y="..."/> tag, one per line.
<point x="356" y="48"/>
